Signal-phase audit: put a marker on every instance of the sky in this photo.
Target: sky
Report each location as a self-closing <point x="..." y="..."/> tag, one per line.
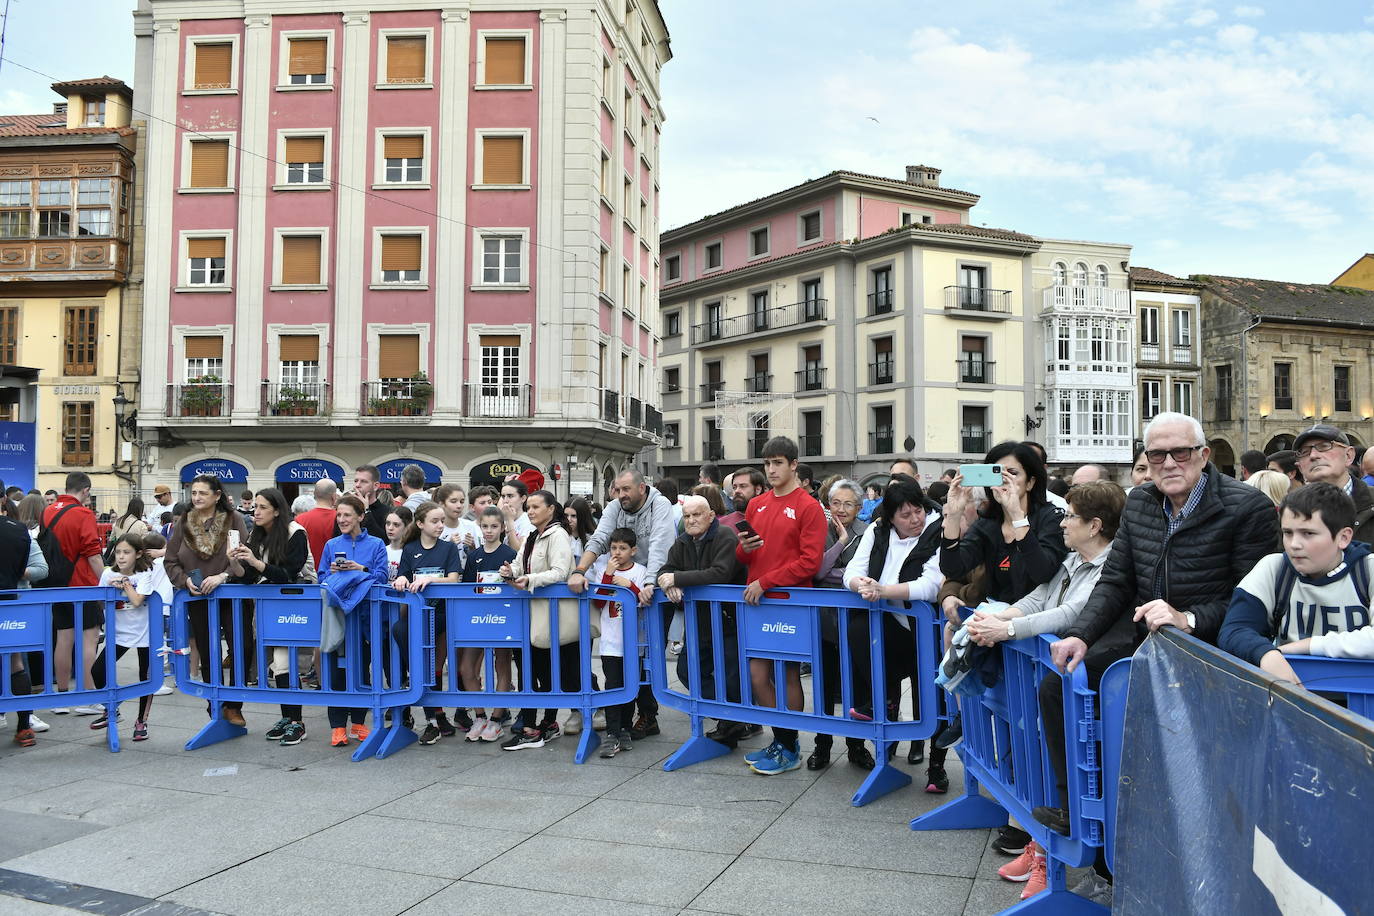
<point x="1215" y="138"/>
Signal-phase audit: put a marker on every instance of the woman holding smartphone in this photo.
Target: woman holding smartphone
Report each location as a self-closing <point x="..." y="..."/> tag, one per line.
<point x="198" y="561"/>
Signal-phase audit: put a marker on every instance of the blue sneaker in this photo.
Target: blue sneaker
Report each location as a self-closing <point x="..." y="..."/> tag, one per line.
<point x="781" y="760"/>
<point x="754" y="757"/>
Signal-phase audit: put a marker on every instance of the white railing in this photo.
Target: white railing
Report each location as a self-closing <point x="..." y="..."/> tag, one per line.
<point x="1088" y="299"/>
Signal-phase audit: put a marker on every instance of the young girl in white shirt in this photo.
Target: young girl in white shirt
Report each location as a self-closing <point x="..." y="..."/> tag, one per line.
<point x="131" y="574"/>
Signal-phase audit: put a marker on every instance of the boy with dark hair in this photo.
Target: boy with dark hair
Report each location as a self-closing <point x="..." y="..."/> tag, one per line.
<point x="617" y="567"/>
<point x="781" y="544"/>
<point x="1312" y="599"/>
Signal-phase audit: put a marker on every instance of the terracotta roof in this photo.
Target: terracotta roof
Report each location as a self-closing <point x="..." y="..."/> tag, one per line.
<point x="752" y="264"/>
<point x="1149" y="275"/>
<point x="984" y="232"/>
<point x="37" y="126"/>
<point x="1316" y="302"/>
<point x="98" y="82"/>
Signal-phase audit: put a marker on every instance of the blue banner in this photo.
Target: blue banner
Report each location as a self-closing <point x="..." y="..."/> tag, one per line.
<point x="391" y="470"/>
<point x="17" y="454"/>
<point x="1238" y="794"/>
<point x="227" y="471"/>
<point x="309" y="470"/>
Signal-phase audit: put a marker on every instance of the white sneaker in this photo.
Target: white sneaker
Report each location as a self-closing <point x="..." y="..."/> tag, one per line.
<point x="479" y="724"/>
<point x="59" y="710"/>
<point x="87" y="710"/>
<point x="164" y="690"/>
<point x="3" y="720"/>
<point x="599" y="720"/>
<point x="492" y="731"/>
<point x="38" y="724"/>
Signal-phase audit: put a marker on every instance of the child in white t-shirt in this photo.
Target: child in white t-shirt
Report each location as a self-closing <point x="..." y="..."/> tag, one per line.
<point x="132" y="575"/>
<point x="617" y="567"/>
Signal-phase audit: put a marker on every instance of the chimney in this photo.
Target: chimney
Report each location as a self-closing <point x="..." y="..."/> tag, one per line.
<point x="927" y="176"/>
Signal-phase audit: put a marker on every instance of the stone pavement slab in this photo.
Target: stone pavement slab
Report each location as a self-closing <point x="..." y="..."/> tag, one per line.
<point x="525" y="812"/>
<point x="99" y="802"/>
<point x="469" y="898"/>
<point x="411" y="846"/>
<point x="879" y="845"/>
<point x="753" y="885"/>
<point x="27" y="832"/>
<point x="668" y="826"/>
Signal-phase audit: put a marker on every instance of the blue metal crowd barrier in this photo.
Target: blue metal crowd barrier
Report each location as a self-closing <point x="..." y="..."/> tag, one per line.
<point x="26" y="625"/>
<point x="496" y="618"/>
<point x="264" y="617"/>
<point x="785" y="627"/>
<point x="1003" y="751"/>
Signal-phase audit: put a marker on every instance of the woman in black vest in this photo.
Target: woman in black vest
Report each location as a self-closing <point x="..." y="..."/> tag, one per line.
<point x="898" y="559"/>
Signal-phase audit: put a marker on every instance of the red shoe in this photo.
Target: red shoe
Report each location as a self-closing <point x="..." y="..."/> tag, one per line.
<point x="24" y="737"/>
<point x="359" y="732"/>
<point x="338" y="737"/>
<point x="1039" y="877"/>
<point x="1020" y="868"/>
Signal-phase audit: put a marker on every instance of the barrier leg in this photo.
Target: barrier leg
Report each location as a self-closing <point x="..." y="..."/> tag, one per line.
<point x="969" y="811"/>
<point x="392" y="738"/>
<point x="885" y="778"/>
<point x="112" y="729"/>
<point x="590" y="740"/>
<point x="216" y="730"/>
<point x="697" y="749"/>
<point x="1057" y="899"/>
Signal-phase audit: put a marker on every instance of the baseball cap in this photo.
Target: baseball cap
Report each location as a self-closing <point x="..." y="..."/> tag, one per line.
<point x="532" y="479"/>
<point x="1320" y="431"/>
<point x="161" y="489"/>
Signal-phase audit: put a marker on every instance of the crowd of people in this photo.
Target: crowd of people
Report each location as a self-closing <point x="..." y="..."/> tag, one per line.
<point x="1240" y="562"/>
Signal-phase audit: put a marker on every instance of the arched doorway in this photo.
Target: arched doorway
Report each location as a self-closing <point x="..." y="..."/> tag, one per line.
<point x="607" y="479"/>
<point x="1279" y="443"/>
<point x="1223" y="456"/>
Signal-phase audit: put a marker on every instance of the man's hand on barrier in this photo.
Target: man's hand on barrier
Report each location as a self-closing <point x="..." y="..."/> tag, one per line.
<point x="673" y="594"/>
<point x="1274" y="663"/>
<point x="646" y="594"/>
<point x="577" y="583"/>
<point x="753" y="592"/>
<point x="951" y="606"/>
<point x="1159" y="613"/>
<point x="1067" y="653"/>
<point x="986" y="629"/>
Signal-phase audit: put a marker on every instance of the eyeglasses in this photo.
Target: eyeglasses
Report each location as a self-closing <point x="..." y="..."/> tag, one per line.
<point x="1069" y="515"/>
<point x="1180" y="455"/>
<point x="1325" y="445"/>
<point x="836" y="504"/>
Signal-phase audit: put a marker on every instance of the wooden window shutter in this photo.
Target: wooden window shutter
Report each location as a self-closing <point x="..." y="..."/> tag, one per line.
<point x="882" y="345"/>
<point x="505" y="61"/>
<point x="972" y="345"/>
<point x="209" y="163"/>
<point x="214" y="65"/>
<point x="405" y="59"/>
<point x="299" y="348"/>
<point x="500" y="340"/>
<point x="400" y="252"/>
<point x="300" y="259"/>
<point x="398" y="355"/>
<point x="204" y="347"/>
<point x="503" y="160"/>
<point x="307" y="56"/>
<point x="407" y="147"/>
<point x="205" y="248"/>
<point x="305" y="149"/>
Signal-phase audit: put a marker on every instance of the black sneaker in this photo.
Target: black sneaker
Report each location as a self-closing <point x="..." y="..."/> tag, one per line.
<point x="861" y="757"/>
<point x="407" y="719"/>
<point x="627" y="741"/>
<point x="293" y="734"/>
<point x="462" y="719"/>
<point x="278" y="731"/>
<point x="1011" y="841"/>
<point x="550" y="732"/>
<point x="431" y="734"/>
<point x="643" y="728"/>
<point x="951" y="735"/>
<point x="520" y="740"/>
<point x="750" y="730"/>
<point x="937" y="783"/>
<point x="610" y="746"/>
<point x="445" y="726"/>
<point x="311" y="680"/>
<point x="1057" y="819"/>
<point x="728" y="733"/>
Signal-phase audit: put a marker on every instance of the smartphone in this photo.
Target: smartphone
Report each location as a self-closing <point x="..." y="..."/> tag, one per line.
<point x="981" y="475"/>
<point x="196" y="577"/>
<point x="339" y="557"/>
<point x="744" y="528"/>
<point x="233" y="541"/>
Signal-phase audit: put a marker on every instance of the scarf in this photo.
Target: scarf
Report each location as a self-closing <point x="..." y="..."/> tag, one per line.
<point x="207" y="541"/>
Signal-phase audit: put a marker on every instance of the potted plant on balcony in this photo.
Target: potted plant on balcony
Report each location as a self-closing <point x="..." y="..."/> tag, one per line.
<point x="294" y="402"/>
<point x="202" y="396"/>
<point x="420" y="392"/>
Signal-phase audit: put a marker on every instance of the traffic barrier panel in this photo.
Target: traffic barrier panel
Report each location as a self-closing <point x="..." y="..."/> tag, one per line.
<point x="495" y="618"/>
<point x="785" y="628"/>
<point x="261" y="618"/>
<point x="1003" y="751"/>
<point x="26" y="625"/>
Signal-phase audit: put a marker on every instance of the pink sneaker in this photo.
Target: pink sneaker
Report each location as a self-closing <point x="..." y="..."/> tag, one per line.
<point x="478" y="725"/>
<point x="1019" y="869"/>
<point x="1039" y="877"/>
<point x="492" y="731"/>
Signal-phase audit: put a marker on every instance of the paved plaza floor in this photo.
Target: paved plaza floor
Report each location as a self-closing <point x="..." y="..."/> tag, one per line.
<point x="248" y="827"/>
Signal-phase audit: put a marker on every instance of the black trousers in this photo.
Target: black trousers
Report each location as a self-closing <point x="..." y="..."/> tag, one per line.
<point x="98" y="674"/>
<point x="830" y="669"/>
<point x="620" y="717"/>
<point x="729" y="635"/>
<point x="199" y="614"/>
<point x="1052" y="710"/>
<point x="541" y="678"/>
<point x="899" y="659"/>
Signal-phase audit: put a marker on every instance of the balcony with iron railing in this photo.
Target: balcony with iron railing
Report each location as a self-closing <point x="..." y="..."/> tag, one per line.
<point x="413" y="397"/>
<point x="882" y="372"/>
<point x="709" y="390"/>
<point x="978" y="302"/>
<point x="974" y="440"/>
<point x="759" y="382"/>
<point x="200" y="398"/>
<point x="975" y="371"/>
<point x="497" y="401"/>
<point x="610" y="405"/>
<point x="811" y="379"/>
<point x="779" y="317"/>
<point x="1181" y="353"/>
<point x="635" y="416"/>
<point x="1149" y="352"/>
<point x="1088" y="299"/>
<point x="302" y="399"/>
<point x="880" y="441"/>
<point x="653" y="420"/>
<point x="714" y="450"/>
<point x="880" y="302"/>
<point x="758" y="438"/>
<point x="809" y="446"/>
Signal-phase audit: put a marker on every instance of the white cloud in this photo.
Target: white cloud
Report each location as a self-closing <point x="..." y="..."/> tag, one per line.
<point x="1236" y="37"/>
<point x="1202" y="18"/>
<point x="1248" y="12"/>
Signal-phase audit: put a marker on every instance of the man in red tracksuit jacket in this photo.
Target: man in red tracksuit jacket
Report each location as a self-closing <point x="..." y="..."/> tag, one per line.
<point x="781" y="547"/>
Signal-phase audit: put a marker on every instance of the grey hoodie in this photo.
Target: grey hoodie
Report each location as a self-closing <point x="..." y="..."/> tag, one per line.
<point x="653" y="526"/>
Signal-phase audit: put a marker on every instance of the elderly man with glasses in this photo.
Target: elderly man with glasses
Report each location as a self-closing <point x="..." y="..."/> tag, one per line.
<point x="1186" y="539"/>
<point x="1325" y="455"/>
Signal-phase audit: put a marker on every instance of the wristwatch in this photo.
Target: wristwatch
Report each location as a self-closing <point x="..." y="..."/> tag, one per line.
<point x="1192" y="620"/>
<point x="1021" y="523"/>
<point x="1011" y="629"/>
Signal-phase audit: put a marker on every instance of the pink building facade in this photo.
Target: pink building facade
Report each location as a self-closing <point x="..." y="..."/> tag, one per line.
<point x="379" y="231"/>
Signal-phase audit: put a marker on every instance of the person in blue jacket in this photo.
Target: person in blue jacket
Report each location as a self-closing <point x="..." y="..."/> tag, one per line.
<point x="350" y="565"/>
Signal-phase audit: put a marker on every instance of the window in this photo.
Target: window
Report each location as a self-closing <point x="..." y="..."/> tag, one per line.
<point x="300" y="260"/>
<point x="672" y="380"/>
<point x="403" y="158"/>
<point x="307" y="61"/>
<point x="974" y="435"/>
<point x="206" y="262"/>
<point x="713" y="260"/>
<point x="810" y="444"/>
<point x="1100" y="276"/>
<point x="502" y="262"/>
<point x="55" y="193"/>
<point x="1149" y="399"/>
<point x="1183" y="397"/>
<point x="758" y="309"/>
<point x="625" y="286"/>
<point x="880" y="300"/>
<point x="603" y="271"/>
<point x="9" y="336"/>
<point x="94" y="113"/>
<point x="304" y="160"/>
<point x="1059" y="273"/>
<point x="15" y="215"/>
<point x="605" y="79"/>
<point x="671" y="435"/>
<point x="627" y="200"/>
<point x="1224" y="392"/>
<point x="880" y="439"/>
<point x="398" y="357"/>
<point x="759" y="379"/>
<point x="79" y="340"/>
<point x="811" y="226"/>
<point x="1080" y="274"/>
<point x="93" y="197"/>
<point x="204" y="357"/>
<point x="406" y="60"/>
<point x="401" y="258"/>
<point x="882" y="371"/>
<point x="1149" y="328"/>
<point x="973" y="365"/>
<point x="300" y="363"/>
<point x="672" y="324"/>
<point x="758" y="242"/>
<point x="812" y="375"/>
<point x="1183" y="327"/>
<point x="1283" y="386"/>
<point x="503" y="160"/>
<point x="214" y="64"/>
<point x="812" y="307"/>
<point x="758" y="434"/>
<point x="713" y="320"/>
<point x="973" y="287"/>
<point x="78" y="431"/>
<point x="906" y="218"/>
<point x="1341" y="388"/>
<point x="209" y="163"/>
<point x="672" y="267"/>
<point x="54" y="224"/>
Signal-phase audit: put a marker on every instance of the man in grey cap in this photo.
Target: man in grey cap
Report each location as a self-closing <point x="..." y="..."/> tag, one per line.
<point x="1325" y="455"/>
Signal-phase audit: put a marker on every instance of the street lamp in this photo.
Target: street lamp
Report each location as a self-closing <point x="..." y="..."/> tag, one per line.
<point x="1034" y="423"/>
<point x="126" y="421"/>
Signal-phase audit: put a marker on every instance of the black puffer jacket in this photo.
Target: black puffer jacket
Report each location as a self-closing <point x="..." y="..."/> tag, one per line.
<point x="1232" y="528"/>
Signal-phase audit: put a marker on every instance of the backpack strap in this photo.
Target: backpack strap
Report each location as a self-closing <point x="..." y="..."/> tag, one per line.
<point x="56" y="518"/>
<point x="1359" y="577"/>
<point x="1283" y="591"/>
